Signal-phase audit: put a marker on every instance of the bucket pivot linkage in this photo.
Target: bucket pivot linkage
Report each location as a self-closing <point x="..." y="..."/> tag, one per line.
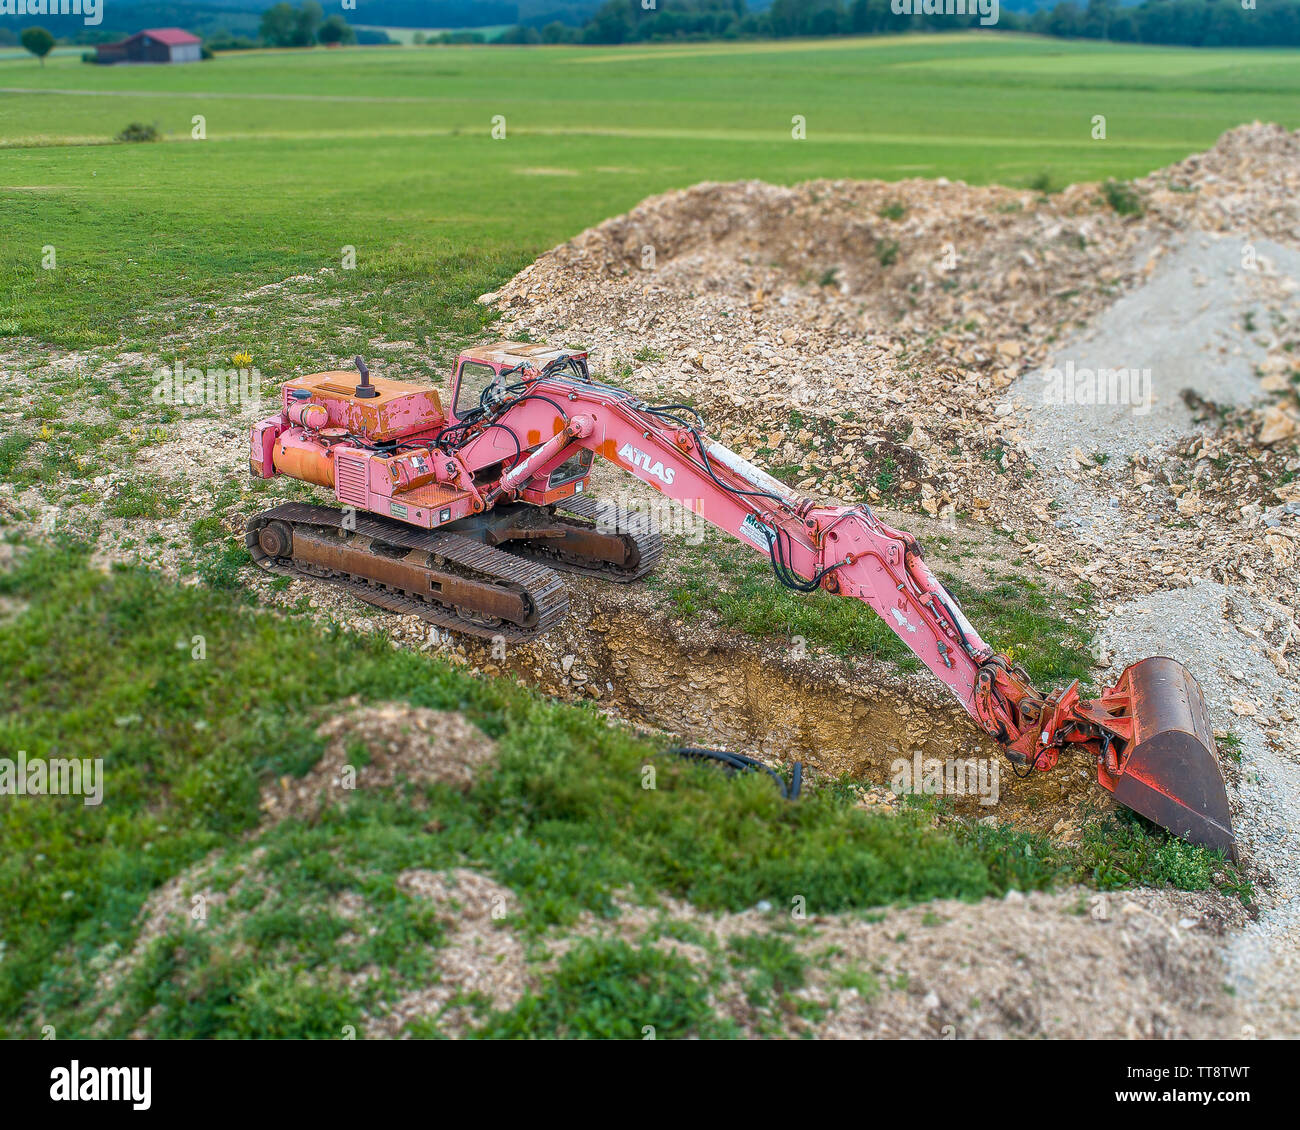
<point x="1154" y="746"/>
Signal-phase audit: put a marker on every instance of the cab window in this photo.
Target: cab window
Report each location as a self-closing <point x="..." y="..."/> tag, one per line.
<point x="574" y="468"/>
<point x="474" y="378"/>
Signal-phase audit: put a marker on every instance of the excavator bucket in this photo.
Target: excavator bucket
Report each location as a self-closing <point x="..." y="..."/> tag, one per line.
<point x="1169" y="772"/>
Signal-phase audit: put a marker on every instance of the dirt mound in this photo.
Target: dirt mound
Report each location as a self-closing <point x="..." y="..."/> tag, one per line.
<point x="1249" y="183"/>
<point x="1140" y="965"/>
<point x="372" y="747"/>
<point x="859" y="338"/>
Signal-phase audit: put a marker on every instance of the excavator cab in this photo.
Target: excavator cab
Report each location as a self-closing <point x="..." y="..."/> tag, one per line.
<point x="482" y="373"/>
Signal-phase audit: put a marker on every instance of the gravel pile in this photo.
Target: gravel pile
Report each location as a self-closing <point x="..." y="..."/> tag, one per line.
<point x="888" y="343"/>
<point x="872" y="342"/>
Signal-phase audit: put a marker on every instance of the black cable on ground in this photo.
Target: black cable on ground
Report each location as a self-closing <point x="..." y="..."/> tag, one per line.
<point x="741" y="763"/>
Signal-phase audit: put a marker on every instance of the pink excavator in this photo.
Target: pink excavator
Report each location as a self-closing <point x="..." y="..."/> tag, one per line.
<point x="466" y="517"/>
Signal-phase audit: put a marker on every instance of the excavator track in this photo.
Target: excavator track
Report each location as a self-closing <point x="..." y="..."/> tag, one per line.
<point x="445" y="579"/>
<point x="644" y="544"/>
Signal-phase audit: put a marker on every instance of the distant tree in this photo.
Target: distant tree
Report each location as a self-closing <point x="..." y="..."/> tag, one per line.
<point x="556" y="32"/>
<point x="1065" y="20"/>
<point x="337" y="30"/>
<point x="308" y="21"/>
<point x="1194" y="23"/>
<point x="38" y="41"/>
<point x="278" y="25"/>
<point x="286" y="26"/>
<point x="612" y="23"/>
<point x="520" y="34"/>
<point x="1096" y="19"/>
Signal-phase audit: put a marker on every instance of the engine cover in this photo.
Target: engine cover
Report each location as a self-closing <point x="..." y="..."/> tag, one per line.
<point x="400" y="410"/>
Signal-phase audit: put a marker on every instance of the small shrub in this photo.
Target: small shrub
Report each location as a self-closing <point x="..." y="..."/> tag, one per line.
<point x="1123" y="197"/>
<point x="137" y="132"/>
<point x="887" y="252"/>
<point x="607" y="990"/>
<point x="1230" y="747"/>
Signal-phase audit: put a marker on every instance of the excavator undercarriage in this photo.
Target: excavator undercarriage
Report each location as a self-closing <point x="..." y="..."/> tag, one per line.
<point x="466" y="517"/>
<point x="467" y="577"/>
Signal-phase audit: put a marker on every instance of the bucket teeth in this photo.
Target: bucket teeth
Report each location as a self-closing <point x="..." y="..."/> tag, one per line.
<point x="1169" y="772"/>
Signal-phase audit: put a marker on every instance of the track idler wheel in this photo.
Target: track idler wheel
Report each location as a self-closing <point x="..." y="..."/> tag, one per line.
<point x="1169" y="772"/>
<point x="275" y="539"/>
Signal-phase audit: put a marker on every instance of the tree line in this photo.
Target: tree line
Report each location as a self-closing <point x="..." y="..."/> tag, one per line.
<point x="1187" y="23"/>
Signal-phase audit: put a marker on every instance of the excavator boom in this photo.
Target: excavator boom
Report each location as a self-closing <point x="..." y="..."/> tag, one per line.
<point x="508" y="466"/>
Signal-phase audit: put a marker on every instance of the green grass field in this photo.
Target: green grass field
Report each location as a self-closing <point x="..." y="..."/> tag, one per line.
<point x="160" y="247"/>
<point x="389" y="150"/>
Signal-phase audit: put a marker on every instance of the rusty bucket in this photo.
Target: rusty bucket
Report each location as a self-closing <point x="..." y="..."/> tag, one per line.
<point x="1168" y="771"/>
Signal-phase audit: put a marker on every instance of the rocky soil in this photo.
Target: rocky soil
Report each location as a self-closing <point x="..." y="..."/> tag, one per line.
<point x="833" y="326"/>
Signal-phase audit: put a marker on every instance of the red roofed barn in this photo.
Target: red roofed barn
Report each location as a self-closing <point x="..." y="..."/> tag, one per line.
<point x="154" y="45"/>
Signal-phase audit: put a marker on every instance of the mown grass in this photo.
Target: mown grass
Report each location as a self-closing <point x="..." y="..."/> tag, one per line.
<point x="390" y="152"/>
<point x="103" y="665"/>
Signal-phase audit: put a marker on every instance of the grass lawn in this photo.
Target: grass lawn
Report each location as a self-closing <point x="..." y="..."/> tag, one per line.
<point x="103" y="666"/>
<point x="389" y="151"/>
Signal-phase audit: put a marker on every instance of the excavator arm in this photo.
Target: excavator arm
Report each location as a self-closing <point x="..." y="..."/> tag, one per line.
<point x="1149" y="732"/>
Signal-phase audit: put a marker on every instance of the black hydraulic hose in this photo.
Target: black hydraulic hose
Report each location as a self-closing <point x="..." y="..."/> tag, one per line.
<point x="742" y="763"/>
<point x="708" y="467"/>
<point x="787" y="576"/>
<point x="666" y="408"/>
<point x="538" y="396"/>
<point x="479" y="415"/>
<point x="780" y="567"/>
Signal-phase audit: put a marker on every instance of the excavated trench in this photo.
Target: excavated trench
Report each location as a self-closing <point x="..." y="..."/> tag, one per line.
<point x="703" y="686"/>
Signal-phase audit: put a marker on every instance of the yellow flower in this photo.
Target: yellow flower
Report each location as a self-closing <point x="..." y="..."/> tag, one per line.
<point x="241" y="360"/>
<point x="45" y="431"/>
